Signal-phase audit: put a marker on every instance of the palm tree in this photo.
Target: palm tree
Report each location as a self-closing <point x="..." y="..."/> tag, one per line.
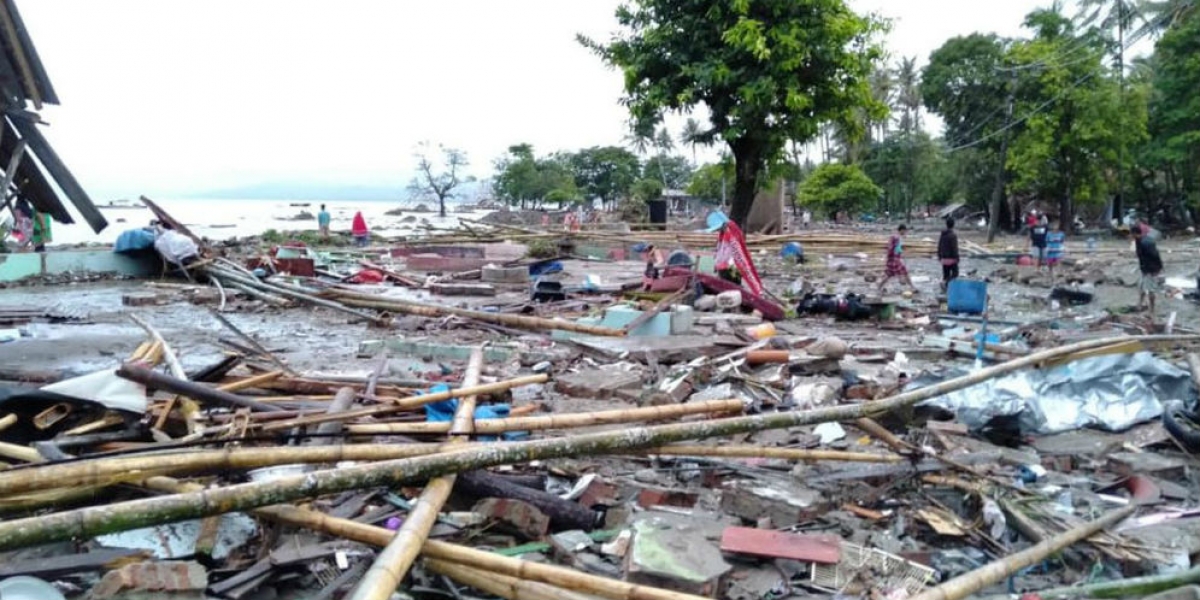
<point x="664" y="143"/>
<point x="908" y="94"/>
<point x="883" y="87"/>
<point x="691" y="136"/>
<point x="1157" y="16"/>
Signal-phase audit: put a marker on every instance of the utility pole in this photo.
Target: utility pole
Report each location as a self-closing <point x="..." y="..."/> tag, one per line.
<point x="1119" y="199"/>
<point x="998" y="190"/>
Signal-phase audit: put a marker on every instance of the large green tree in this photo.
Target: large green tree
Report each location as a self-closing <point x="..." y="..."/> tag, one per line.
<point x="768" y="71"/>
<point x="605" y="172"/>
<point x="966" y="85"/>
<point x="1072" y="124"/>
<point x="1175" y="106"/>
<point x="523" y="180"/>
<point x="713" y="181"/>
<point x="835" y="187"/>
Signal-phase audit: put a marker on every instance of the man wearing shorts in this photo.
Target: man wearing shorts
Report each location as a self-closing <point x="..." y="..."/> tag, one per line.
<point x="1150" y="264"/>
<point x="1037" y="239"/>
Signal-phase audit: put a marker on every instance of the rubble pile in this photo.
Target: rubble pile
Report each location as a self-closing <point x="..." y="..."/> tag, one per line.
<point x="623" y="438"/>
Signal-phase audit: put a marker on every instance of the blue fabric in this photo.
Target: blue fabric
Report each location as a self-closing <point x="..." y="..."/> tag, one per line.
<point x="716" y="220"/>
<point x="134" y="240"/>
<point x="323" y="218"/>
<point x="791" y="249"/>
<point x="544" y="268"/>
<point x="443" y="412"/>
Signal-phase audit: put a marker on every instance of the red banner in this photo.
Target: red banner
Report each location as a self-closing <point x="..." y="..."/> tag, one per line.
<point x="731" y="247"/>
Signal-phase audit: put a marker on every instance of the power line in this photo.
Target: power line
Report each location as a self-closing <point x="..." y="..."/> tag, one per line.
<point x="1025" y="118"/>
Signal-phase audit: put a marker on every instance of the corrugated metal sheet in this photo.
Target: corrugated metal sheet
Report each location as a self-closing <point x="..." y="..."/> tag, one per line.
<point x="23" y="80"/>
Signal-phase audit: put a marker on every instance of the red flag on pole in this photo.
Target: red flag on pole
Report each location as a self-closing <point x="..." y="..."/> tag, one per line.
<point x="731" y="247"/>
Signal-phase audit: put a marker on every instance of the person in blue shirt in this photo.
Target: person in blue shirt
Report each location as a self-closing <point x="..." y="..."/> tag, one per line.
<point x="1056" y="241"/>
<point x="323" y="222"/>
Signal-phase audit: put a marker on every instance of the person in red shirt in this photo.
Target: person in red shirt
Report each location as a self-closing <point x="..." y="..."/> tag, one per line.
<point x="358" y="229"/>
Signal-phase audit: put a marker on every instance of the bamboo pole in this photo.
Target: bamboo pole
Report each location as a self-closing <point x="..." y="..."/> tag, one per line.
<point x="238" y="278"/>
<point x="390" y="567"/>
<point x="106" y="471"/>
<point x="503" y="586"/>
<point x="412" y="402"/>
<point x="251" y="382"/>
<point x="494" y="563"/>
<point x="783" y="453"/>
<point x="565" y="421"/>
<point x="7" y="421"/>
<point x="190" y="389"/>
<point x="125" y="469"/>
<point x="969" y="583"/>
<point x="1133" y="587"/>
<point x="121" y="516"/>
<point x="169" y="354"/>
<point x="425" y="310"/>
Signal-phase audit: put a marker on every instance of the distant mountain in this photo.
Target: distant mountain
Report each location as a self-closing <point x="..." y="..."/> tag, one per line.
<point x="325" y="191"/>
<point x="305" y="191"/>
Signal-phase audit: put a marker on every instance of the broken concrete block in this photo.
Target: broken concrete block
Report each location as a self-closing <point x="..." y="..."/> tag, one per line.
<point x="823" y="549"/>
<point x="597" y="383"/>
<point x="494" y="274"/>
<point x="674" y="557"/>
<point x="567" y="543"/>
<point x="140" y="299"/>
<point x="784" y="503"/>
<point x="176" y="580"/>
<point x="516" y="516"/>
<point x="650" y="497"/>
<point x="1147" y="463"/>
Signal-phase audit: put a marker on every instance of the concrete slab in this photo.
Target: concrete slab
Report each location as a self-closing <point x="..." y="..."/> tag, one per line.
<point x="15" y="267"/>
<point x="675" y="557"/>
<point x="597" y="383"/>
<point x="666" y="350"/>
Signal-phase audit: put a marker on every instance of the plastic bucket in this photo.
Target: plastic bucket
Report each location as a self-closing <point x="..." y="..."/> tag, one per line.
<point x="967" y="296"/>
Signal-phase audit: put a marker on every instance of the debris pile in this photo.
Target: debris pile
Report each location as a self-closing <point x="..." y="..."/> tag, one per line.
<point x="612" y="442"/>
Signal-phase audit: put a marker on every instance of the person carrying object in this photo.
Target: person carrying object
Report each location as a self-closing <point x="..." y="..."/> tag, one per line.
<point x="1150" y="264"/>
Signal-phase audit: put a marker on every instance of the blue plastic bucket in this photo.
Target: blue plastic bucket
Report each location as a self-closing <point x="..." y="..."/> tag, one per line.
<point x="967" y="296"/>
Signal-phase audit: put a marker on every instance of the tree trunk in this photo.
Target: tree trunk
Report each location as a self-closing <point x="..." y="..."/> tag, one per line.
<point x="441" y="205"/>
<point x="747" y="156"/>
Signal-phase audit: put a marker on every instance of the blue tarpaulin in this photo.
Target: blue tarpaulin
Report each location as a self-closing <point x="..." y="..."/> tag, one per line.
<point x="134" y="240"/>
<point x="443" y="411"/>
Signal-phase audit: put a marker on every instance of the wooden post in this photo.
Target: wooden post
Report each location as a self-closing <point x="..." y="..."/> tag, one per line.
<point x="190" y="389"/>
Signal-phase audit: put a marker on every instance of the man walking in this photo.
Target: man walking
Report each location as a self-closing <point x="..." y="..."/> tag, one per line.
<point x="1150" y="264"/>
<point x="948" y="253"/>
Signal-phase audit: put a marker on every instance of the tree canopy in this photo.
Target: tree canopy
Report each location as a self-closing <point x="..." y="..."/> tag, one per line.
<point x="768" y="71"/>
<point x="834" y="187"/>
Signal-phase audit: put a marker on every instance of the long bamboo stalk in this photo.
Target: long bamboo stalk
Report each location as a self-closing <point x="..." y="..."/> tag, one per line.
<point x="105" y="471"/>
<point x="7" y="421"/>
<point x="968" y="583"/>
<point x="426" y="310"/>
<point x="1132" y="587"/>
<point x="764" y="452"/>
<point x="228" y="274"/>
<point x="479" y="559"/>
<point x="120" y="516"/>
<point x="565" y="421"/>
<point x="503" y="586"/>
<point x="251" y="382"/>
<point x="412" y="402"/>
<point x="397" y="557"/>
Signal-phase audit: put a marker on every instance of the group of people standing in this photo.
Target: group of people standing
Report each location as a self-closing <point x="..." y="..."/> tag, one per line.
<point x="1047" y="240"/>
<point x="358" y="227"/>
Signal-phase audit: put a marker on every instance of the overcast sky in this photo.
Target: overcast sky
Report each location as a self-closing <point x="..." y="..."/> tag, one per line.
<point x="173" y="97"/>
